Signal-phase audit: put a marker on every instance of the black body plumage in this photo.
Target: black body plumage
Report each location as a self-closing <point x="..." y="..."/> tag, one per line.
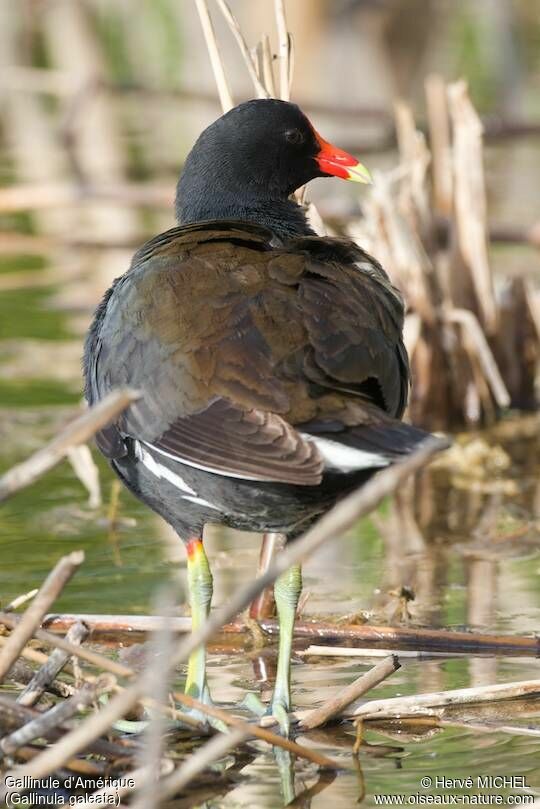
<point x="270" y="361"/>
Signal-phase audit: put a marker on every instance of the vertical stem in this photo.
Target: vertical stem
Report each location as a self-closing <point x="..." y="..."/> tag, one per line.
<point x="283" y="40"/>
<point x="225" y="96"/>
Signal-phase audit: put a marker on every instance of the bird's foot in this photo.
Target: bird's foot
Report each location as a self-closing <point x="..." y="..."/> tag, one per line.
<point x="199" y="716"/>
<point x="278" y="709"/>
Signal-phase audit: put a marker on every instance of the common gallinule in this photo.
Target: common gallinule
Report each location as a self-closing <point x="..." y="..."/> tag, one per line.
<point x="270" y="359"/>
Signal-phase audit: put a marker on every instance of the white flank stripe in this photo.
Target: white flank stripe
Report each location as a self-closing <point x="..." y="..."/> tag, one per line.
<point x="346" y="459"/>
<point x="202" y="467"/>
<point x="164" y="473"/>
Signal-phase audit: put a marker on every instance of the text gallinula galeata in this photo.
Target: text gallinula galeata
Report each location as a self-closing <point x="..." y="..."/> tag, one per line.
<point x="270" y="359"/>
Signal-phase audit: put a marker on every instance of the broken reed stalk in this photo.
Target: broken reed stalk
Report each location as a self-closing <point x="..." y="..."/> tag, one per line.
<point x="33" y="616"/>
<point x="77" y="432"/>
<point x="284" y="46"/>
<point x="223" y="88"/>
<point x="456" y="321"/>
<point x="335" y="706"/>
<point x="395" y="638"/>
<point x="397" y="706"/>
<point x="336" y="521"/>
<point x="17" y="602"/>
<point x="54" y="665"/>
<point x="56" y="641"/>
<point x="348" y="651"/>
<point x="232" y="22"/>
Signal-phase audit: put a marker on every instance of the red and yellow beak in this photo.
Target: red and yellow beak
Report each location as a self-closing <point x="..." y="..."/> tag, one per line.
<point x="333" y="160"/>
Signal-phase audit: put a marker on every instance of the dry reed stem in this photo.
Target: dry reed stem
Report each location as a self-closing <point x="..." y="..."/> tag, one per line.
<point x="283" y="51"/>
<point x="77" y="432"/>
<point x="54" y="665"/>
<point x="348" y="651"/>
<point x="267" y="65"/>
<point x="469" y="322"/>
<point x="336" y="521"/>
<point x="17" y="602"/>
<point x="28" y="653"/>
<point x="32" y="617"/>
<point x="439" y="141"/>
<point x="333" y="708"/>
<point x="232" y="22"/>
<point x="395" y="706"/>
<point x="470" y="200"/>
<point x="56" y="641"/>
<point x="429" y="640"/>
<point x="222" y="84"/>
<point x="86" y="470"/>
<point x="415" y="159"/>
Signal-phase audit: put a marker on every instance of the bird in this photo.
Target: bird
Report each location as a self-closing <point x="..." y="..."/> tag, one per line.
<point x="270" y="360"/>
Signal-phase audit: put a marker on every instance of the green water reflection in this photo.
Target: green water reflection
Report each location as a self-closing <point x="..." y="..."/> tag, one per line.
<point x="470" y="555"/>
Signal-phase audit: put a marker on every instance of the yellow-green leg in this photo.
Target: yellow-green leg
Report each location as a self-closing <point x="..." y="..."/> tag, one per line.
<point x="287" y="591"/>
<point x="200" y="586"/>
<point x="200" y="597"/>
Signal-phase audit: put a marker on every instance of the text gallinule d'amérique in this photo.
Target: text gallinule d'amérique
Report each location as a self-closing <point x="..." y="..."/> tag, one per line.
<point x="270" y="359"/>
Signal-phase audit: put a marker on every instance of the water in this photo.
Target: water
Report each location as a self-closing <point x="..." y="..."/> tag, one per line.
<point x="467" y="544"/>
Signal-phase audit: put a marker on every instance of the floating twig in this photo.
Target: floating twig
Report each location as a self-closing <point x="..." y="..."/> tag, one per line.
<point x="396" y="706"/>
<point x="353" y="651"/>
<point x="335" y="706"/>
<point x="395" y="638"/>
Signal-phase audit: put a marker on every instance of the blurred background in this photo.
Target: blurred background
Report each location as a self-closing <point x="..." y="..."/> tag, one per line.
<point x="100" y="101"/>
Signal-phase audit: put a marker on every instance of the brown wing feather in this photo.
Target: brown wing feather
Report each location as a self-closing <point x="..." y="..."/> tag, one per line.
<point x="252" y="444"/>
<point x="234" y="340"/>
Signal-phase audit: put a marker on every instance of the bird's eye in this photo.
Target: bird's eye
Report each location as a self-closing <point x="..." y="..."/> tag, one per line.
<point x="294" y="136"/>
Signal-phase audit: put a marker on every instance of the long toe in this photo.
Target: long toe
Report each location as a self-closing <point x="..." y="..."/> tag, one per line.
<point x="279" y="710"/>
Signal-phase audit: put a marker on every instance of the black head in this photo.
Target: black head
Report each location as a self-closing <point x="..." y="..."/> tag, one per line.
<point x="250" y="160"/>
